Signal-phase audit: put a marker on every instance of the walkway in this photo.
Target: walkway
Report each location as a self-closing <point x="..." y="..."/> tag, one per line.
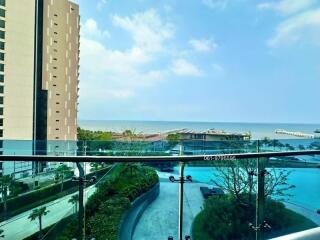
<point x="160" y="219"/>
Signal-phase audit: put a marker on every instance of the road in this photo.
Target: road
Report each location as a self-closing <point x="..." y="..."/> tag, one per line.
<point x="19" y="227"/>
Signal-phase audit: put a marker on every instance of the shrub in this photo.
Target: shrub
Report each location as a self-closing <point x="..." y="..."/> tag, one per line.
<point x="105" y="208"/>
<point x="224" y="218"/>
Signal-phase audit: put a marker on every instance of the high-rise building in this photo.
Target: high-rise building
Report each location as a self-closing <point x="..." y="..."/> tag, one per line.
<point x="39" y="69"/>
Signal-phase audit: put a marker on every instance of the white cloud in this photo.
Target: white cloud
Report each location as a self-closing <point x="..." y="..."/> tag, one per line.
<point x="304" y="26"/>
<point x="287" y="6"/>
<point x="101" y="4"/>
<point x="148" y="30"/>
<point x="182" y="67"/>
<point x="215" y="4"/>
<point x="90" y="28"/>
<point x="203" y="45"/>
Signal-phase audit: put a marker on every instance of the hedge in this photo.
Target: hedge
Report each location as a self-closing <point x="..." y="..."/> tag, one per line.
<point x="105" y="208"/>
<point x="36" y="198"/>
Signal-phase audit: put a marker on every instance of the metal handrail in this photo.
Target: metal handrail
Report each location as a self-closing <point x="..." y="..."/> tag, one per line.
<point x="128" y="159"/>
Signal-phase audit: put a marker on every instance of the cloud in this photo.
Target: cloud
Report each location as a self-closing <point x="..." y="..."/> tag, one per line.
<point x="147" y="29"/>
<point x="215" y="4"/>
<point x="304" y="26"/>
<point x="203" y="45"/>
<point x="90" y="28"/>
<point x="287" y="6"/>
<point x="182" y="67"/>
<point x="101" y="4"/>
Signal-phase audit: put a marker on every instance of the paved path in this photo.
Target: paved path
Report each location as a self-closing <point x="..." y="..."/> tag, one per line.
<point x="160" y="219"/>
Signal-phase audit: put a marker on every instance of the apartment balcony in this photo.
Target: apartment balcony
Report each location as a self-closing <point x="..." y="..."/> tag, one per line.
<point x="161" y="190"/>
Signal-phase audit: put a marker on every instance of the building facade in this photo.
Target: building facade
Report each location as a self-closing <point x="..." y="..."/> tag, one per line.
<point x="39" y="70"/>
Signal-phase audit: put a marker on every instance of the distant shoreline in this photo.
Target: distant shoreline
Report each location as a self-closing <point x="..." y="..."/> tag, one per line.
<point x="258" y="130"/>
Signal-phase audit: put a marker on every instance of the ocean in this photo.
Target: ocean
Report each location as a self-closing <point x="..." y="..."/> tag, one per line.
<point x="258" y="130"/>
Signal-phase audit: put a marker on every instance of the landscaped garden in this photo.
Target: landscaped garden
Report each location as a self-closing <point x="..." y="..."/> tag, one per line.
<point x="224" y="218"/>
<point x="232" y="216"/>
<point x="105" y="208"/>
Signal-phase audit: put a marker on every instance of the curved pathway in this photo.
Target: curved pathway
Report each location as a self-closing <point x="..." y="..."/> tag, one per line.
<point x="160" y="219"/>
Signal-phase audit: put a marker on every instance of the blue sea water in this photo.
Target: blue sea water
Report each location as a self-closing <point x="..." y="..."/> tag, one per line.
<point x="258" y="130"/>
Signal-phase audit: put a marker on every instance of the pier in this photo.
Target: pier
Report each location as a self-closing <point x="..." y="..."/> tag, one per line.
<point x="296" y="134"/>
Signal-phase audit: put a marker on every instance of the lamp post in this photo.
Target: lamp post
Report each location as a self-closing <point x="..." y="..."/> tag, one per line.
<point x="81" y="182"/>
<point x="181" y="182"/>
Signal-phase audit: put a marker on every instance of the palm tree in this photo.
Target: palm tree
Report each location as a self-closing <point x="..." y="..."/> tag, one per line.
<point x="74" y="200"/>
<point x="60" y="173"/>
<point x="5" y="183"/>
<point x="38" y="213"/>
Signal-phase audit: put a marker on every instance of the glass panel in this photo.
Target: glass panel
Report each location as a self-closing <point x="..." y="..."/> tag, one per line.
<point x="224" y="197"/>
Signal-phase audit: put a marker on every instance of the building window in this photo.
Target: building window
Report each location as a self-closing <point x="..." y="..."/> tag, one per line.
<point x="1" y="133"/>
<point x="54" y="67"/>
<point x="1" y="90"/>
<point x="2" y="23"/>
<point x="1" y="101"/>
<point x="55" y="33"/>
<point x="1" y="56"/>
<point x="56" y="15"/>
<point x="57" y="111"/>
<point x="2" y="2"/>
<point x="1" y="111"/>
<point x="2" y="45"/>
<point x="2" y="34"/>
<point x="2" y="13"/>
<point x="55" y="41"/>
<point x="57" y="129"/>
<point x="1" y="78"/>
<point x="57" y="120"/>
<point x="56" y="24"/>
<point x="1" y="122"/>
<point x="1" y="67"/>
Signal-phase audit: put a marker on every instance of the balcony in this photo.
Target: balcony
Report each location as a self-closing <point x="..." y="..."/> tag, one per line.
<point x="161" y="190"/>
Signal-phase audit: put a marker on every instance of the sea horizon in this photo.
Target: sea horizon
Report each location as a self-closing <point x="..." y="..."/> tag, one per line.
<point x="258" y="130"/>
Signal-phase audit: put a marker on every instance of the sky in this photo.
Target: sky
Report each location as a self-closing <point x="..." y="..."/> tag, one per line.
<point x="200" y="60"/>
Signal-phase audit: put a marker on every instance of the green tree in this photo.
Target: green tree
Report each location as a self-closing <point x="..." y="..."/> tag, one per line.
<point x="237" y="179"/>
<point x="38" y="214"/>
<point x="74" y="200"/>
<point x="129" y="134"/>
<point x="5" y="184"/>
<point x="61" y="172"/>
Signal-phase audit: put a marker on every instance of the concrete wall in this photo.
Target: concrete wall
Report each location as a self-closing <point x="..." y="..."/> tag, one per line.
<point x="19" y="69"/>
<point x="60" y="67"/>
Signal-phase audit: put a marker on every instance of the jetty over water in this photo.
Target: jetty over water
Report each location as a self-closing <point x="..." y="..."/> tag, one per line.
<point x="296" y="134"/>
